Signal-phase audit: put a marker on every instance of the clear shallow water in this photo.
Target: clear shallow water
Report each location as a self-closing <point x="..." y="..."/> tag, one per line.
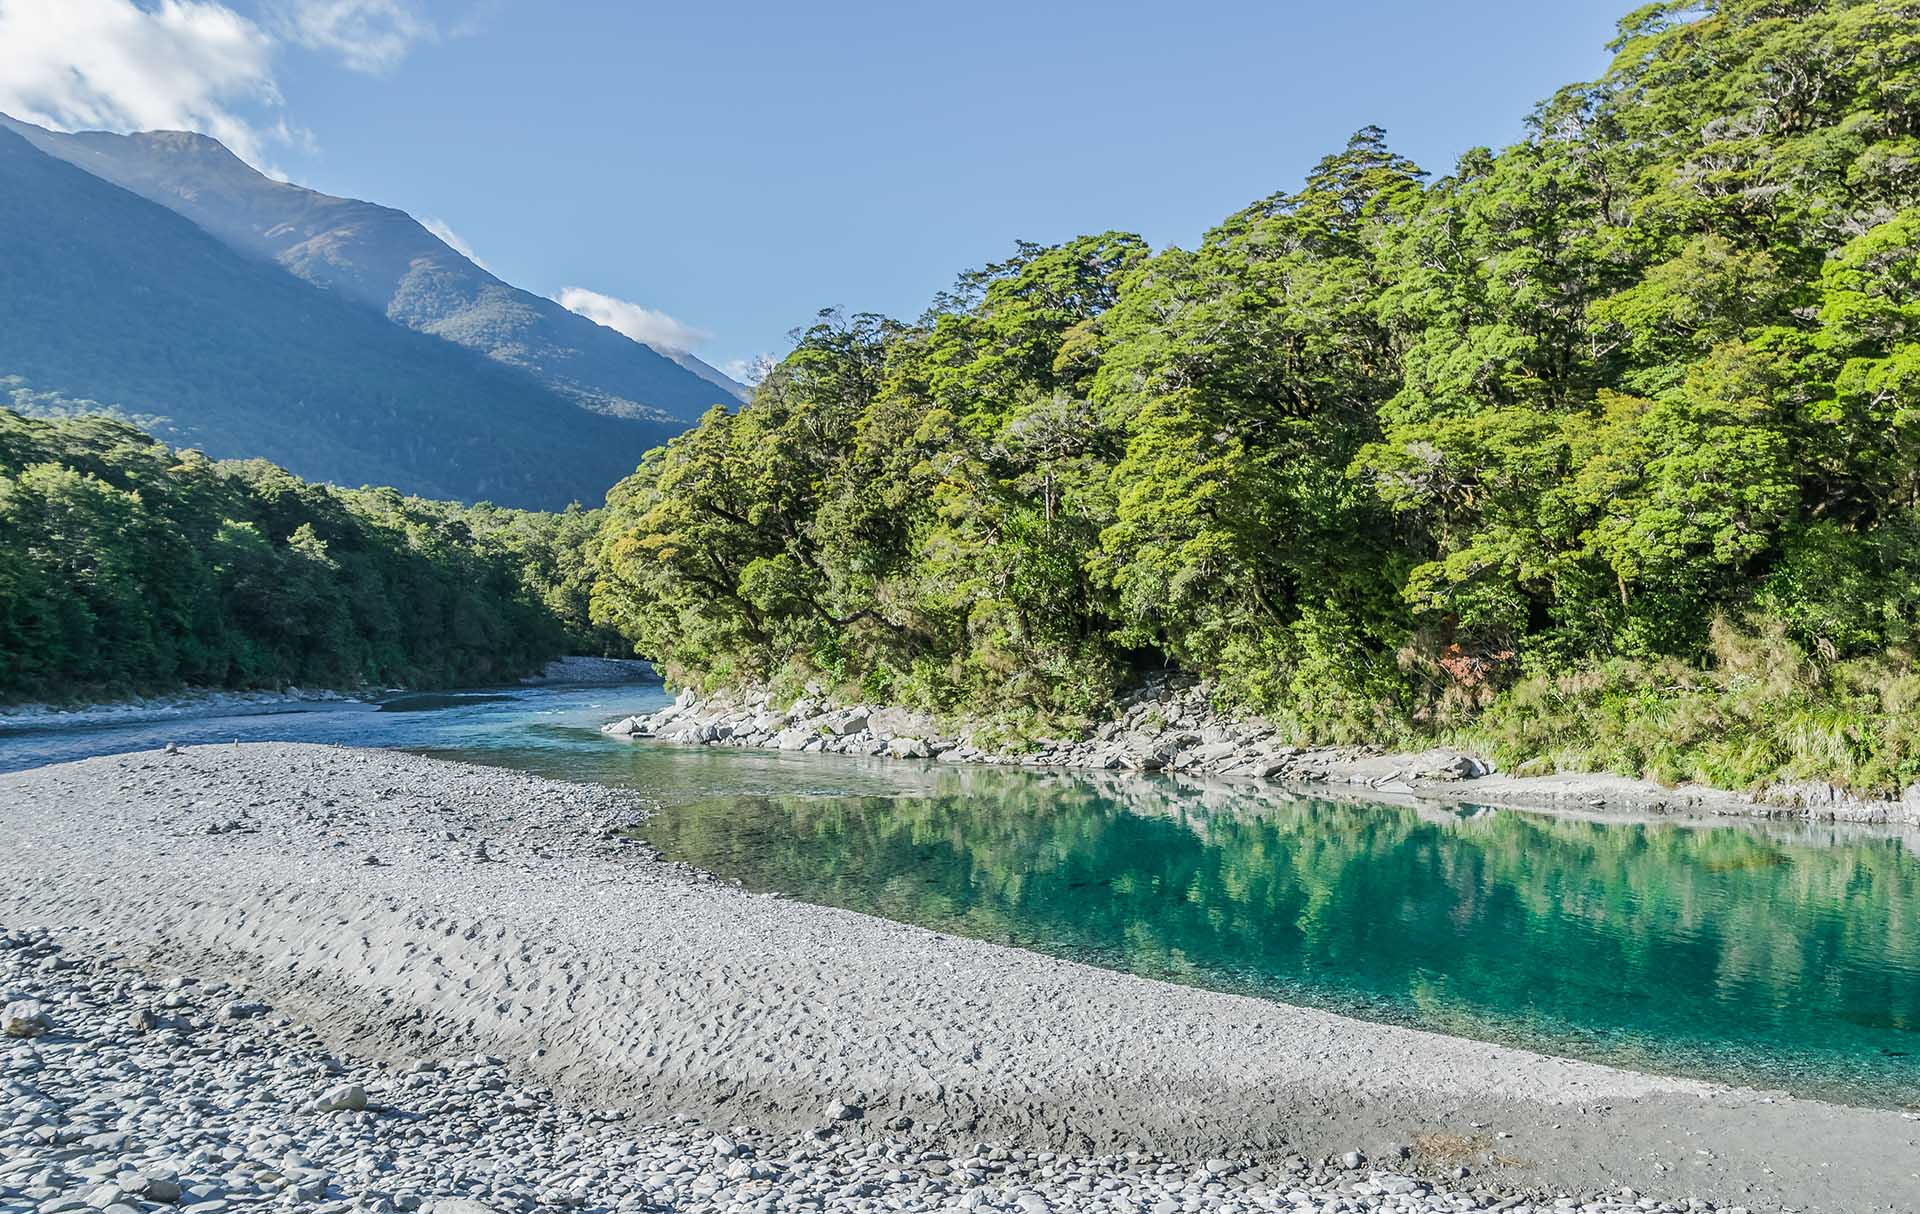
<point x="1783" y="957"/>
<point x="506" y="720"/>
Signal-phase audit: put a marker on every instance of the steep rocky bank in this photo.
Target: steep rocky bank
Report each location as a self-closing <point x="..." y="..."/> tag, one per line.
<point x="1179" y="730"/>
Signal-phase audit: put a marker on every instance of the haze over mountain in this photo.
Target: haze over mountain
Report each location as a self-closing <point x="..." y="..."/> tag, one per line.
<point x="385" y="259"/>
<point x="109" y="299"/>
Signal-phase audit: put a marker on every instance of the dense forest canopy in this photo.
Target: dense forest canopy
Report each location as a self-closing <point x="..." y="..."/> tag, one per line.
<point x="1605" y="442"/>
<point x="127" y="566"/>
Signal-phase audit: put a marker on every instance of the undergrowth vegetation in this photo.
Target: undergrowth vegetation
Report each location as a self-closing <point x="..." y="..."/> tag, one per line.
<point x="1759" y="713"/>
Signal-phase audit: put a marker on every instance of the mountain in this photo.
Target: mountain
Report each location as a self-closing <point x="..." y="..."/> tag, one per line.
<point x="385" y="259"/>
<point x="107" y="297"/>
<point x="736" y="390"/>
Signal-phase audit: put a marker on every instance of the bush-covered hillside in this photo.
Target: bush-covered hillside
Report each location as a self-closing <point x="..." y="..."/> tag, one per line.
<point x="1534" y="449"/>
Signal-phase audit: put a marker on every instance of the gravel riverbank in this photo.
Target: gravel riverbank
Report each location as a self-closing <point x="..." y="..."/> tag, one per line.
<point x="1177" y="730"/>
<point x="198" y="703"/>
<point x="178" y="706"/>
<point x="593" y="672"/>
<point x="136" y="1089"/>
<point x="403" y="909"/>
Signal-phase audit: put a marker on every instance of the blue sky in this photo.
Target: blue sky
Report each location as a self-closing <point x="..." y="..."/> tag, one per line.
<point x="734" y="167"/>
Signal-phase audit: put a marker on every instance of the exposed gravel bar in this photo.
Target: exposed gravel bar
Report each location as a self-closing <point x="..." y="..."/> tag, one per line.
<point x="134" y="1091"/>
<point x="177" y="706"/>
<point x="406" y="909"/>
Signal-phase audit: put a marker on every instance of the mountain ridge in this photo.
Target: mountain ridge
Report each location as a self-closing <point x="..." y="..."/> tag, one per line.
<point x="108" y="297"/>
<point x="385" y="259"/>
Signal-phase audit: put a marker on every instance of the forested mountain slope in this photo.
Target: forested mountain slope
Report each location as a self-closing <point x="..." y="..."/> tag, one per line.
<point x="385" y="259"/>
<point x="1603" y="447"/>
<point x="108" y="298"/>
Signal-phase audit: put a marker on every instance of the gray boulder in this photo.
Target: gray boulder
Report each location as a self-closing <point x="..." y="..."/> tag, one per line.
<point x="346" y="1098"/>
<point x="1443" y="764"/>
<point x="847" y="721"/>
<point x="24" y="1018"/>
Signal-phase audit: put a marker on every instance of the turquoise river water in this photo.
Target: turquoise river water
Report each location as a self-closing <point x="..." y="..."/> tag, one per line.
<point x="1786" y="957"/>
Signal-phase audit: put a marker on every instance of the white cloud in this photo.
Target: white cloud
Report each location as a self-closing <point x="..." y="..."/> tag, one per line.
<point x="476" y="20"/>
<point x="644" y="325"/>
<point x="114" y="65"/>
<point x="749" y="371"/>
<point x="190" y="65"/>
<point x="367" y="35"/>
<point x="451" y="238"/>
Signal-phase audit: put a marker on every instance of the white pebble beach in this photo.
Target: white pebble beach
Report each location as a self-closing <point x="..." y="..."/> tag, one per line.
<point x="539" y="1014"/>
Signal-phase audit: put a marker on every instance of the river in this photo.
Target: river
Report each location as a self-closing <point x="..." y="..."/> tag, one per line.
<point x="1784" y="957"/>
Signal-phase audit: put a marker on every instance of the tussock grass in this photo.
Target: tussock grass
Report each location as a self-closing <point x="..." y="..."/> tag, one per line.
<point x="1760" y="712"/>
